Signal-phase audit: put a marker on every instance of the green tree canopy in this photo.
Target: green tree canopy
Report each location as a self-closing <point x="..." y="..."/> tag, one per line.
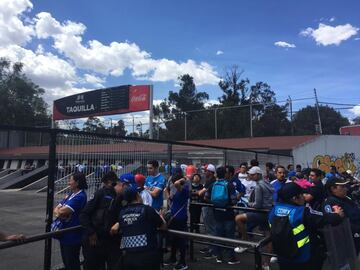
<point x="306" y="121"/>
<point x="21" y="101"/>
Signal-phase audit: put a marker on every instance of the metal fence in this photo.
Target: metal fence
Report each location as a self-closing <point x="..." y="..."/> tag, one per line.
<point x="63" y="152"/>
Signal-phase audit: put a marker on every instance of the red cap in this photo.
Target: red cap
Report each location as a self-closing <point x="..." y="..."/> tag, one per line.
<point x="139" y="179"/>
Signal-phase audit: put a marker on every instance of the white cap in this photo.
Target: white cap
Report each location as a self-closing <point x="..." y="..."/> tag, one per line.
<point x="255" y="170"/>
<point x="211" y="168"/>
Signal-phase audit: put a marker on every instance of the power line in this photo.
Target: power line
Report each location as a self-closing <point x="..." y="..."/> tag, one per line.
<point x="340" y="104"/>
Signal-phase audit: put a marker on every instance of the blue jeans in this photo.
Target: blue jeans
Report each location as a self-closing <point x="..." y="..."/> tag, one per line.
<point x="225" y="229"/>
<point x="70" y="256"/>
<point x="209" y="221"/>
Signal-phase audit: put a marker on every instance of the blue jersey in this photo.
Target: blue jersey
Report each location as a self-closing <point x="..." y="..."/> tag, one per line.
<point x="76" y="202"/>
<point x="153" y="182"/>
<point x="179" y="203"/>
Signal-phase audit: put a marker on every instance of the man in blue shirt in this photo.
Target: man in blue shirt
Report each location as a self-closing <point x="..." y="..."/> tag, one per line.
<point x="155" y="184"/>
<point x="277" y="184"/>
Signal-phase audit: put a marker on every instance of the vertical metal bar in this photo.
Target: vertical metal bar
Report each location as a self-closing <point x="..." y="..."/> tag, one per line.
<point x="151" y="116"/>
<point x="215" y="120"/>
<point x="170" y="157"/>
<point x="258" y="265"/>
<point x="225" y="157"/>
<point x="50" y="197"/>
<point x="251" y="121"/>
<point x="185" y="114"/>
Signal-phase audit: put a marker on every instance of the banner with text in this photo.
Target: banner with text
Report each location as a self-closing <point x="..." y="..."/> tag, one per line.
<point x="114" y="100"/>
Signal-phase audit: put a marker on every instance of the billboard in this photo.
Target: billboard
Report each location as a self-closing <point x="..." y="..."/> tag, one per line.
<point x="107" y="101"/>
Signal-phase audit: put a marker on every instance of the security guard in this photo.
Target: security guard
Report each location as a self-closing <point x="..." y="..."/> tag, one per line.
<point x="100" y="248"/>
<point x="138" y="229"/>
<point x="294" y="230"/>
<point x="337" y="189"/>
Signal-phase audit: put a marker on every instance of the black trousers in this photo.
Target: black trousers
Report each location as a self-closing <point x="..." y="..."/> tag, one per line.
<point x="149" y="260"/>
<point x="70" y="256"/>
<point x="106" y="255"/>
<point x="195" y="213"/>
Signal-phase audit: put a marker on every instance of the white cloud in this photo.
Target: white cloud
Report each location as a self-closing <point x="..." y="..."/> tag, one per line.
<point x="58" y="71"/>
<point x="219" y="52"/>
<point x="114" y="58"/>
<point x="358" y="38"/>
<point x="56" y="75"/>
<point x="332" y="19"/>
<point x="330" y="35"/>
<point x="284" y="44"/>
<point x="94" y="80"/>
<point x="12" y="29"/>
<point x="355" y="110"/>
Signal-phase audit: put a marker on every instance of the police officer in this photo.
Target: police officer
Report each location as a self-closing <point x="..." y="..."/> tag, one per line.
<point x="337" y="189"/>
<point x="138" y="229"/>
<point x="100" y="248"/>
<point x="294" y="230"/>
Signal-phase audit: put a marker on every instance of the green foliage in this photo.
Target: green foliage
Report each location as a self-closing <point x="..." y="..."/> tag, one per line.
<point x="21" y="101"/>
<point x="94" y="124"/>
<point x="119" y="128"/>
<point x="306" y="120"/>
<point x="356" y="120"/>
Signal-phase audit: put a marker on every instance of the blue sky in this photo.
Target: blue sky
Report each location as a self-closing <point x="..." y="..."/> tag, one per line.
<point x="318" y="45"/>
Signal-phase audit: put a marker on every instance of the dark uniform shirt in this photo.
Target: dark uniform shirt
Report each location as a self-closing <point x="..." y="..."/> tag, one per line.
<point x="98" y="216"/>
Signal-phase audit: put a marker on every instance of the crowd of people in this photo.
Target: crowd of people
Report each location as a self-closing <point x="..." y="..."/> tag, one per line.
<point x="121" y="221"/>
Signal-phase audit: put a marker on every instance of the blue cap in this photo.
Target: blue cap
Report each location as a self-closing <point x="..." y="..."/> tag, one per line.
<point x="291" y="174"/>
<point x="127" y="178"/>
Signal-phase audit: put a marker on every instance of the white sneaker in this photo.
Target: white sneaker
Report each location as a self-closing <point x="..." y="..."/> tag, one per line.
<point x="240" y="249"/>
<point x="273" y="260"/>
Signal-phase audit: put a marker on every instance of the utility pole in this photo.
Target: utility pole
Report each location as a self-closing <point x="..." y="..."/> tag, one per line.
<point x="133" y="124"/>
<point x="291" y="116"/>
<point x="185" y="124"/>
<point x="318" y="111"/>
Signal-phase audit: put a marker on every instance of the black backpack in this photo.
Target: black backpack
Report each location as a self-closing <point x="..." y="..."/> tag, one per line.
<point x="282" y="237"/>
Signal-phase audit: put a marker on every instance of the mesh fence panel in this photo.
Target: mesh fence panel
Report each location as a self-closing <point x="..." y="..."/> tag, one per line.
<point x="95" y="154"/>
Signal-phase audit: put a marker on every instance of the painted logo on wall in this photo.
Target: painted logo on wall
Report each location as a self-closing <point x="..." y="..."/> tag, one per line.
<point x="342" y="163"/>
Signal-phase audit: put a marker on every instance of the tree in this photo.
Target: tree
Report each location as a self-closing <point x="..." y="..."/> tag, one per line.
<point x="306" y="121"/>
<point x="235" y="122"/>
<point x="21" y="101"/>
<point x="356" y="120"/>
<point x="273" y="122"/>
<point x="172" y="111"/>
<point x="119" y="128"/>
<point x="94" y="124"/>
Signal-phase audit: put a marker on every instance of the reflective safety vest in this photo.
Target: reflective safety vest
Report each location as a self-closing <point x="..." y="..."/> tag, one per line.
<point x="138" y="234"/>
<point x="301" y="234"/>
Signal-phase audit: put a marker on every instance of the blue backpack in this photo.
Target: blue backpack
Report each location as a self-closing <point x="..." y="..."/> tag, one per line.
<point x="220" y="193"/>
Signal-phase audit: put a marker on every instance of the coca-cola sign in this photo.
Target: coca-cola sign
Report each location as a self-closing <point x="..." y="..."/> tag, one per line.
<point x="114" y="100"/>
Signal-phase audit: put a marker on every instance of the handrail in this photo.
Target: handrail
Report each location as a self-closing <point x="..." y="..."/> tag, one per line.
<point x="38" y="237"/>
<point x="246" y="209"/>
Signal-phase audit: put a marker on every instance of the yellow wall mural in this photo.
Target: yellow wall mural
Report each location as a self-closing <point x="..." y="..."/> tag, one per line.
<point x="342" y="163"/>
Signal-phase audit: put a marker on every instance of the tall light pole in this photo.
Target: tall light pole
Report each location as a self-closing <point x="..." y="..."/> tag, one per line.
<point x="291" y="116"/>
<point x="318" y="111"/>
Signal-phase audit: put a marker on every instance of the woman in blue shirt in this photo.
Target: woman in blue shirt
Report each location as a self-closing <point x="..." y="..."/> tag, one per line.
<point x="68" y="211"/>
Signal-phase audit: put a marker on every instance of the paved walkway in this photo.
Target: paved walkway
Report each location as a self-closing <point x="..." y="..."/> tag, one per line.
<point x="24" y="212"/>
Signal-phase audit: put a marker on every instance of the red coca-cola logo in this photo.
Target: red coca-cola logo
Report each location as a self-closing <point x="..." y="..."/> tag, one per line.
<point x="139" y="98"/>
